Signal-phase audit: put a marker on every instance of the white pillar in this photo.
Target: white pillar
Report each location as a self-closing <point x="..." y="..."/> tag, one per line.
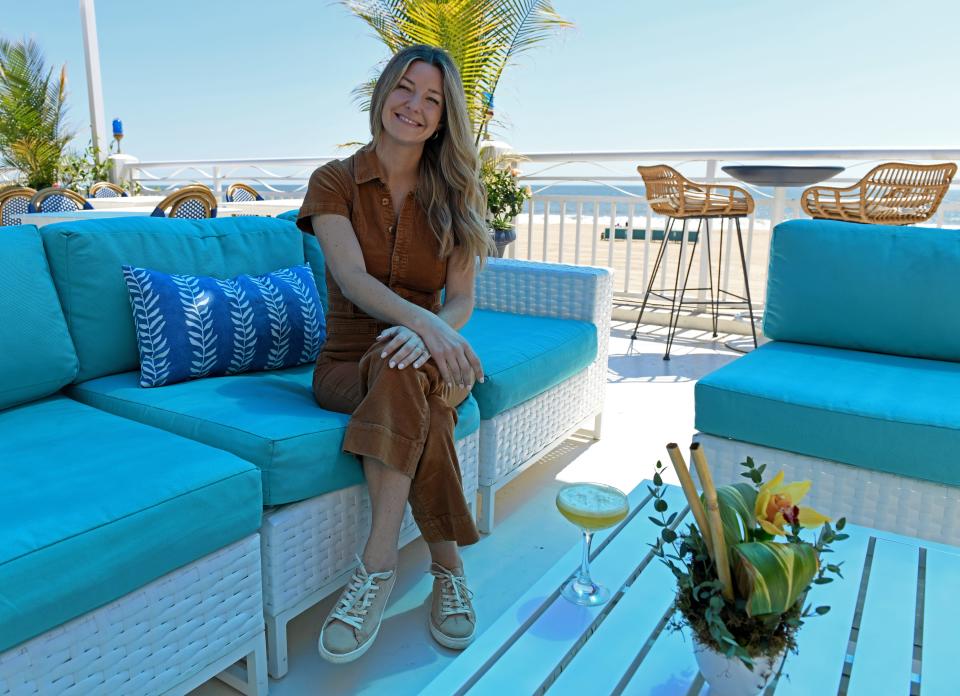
<point x="91" y="49"/>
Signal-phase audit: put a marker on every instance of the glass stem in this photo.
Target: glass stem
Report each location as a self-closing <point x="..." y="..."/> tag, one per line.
<point x="584" y="577"/>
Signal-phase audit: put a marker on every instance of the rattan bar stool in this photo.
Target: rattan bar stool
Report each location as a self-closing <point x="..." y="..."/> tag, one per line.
<point x="194" y="201"/>
<point x="894" y="193"/>
<point x="675" y="197"/>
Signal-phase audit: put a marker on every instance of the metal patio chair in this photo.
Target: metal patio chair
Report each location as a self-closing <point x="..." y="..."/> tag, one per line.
<point x="106" y="189"/>
<point x="58" y="200"/>
<point x="894" y="193"/>
<point x="195" y="201"/>
<point x="241" y="193"/>
<point x="14" y="202"/>
<point x="675" y="197"/>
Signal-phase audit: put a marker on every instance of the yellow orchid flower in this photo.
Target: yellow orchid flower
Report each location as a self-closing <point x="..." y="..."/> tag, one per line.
<point x="777" y="506"/>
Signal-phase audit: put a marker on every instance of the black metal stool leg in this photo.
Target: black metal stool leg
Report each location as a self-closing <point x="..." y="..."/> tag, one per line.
<point x="746" y="281"/>
<point x="653" y="274"/>
<point x="714" y="293"/>
<point x="677" y="304"/>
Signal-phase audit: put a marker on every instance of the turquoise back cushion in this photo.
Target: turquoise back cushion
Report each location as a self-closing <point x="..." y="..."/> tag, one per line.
<point x="865" y="287"/>
<point x="86" y="258"/>
<point x="37" y="353"/>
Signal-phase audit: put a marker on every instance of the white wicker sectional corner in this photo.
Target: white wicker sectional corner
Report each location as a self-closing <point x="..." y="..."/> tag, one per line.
<point x="308" y="549"/>
<point x="167" y="637"/>
<point x="517" y="438"/>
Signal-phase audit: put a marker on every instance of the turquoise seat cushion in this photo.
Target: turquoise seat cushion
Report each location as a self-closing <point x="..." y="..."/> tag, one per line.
<point x="865" y="287"/>
<point x="86" y="257"/>
<point x="523" y="356"/>
<point x="268" y="418"/>
<point x="37" y="353"/>
<point x="96" y="506"/>
<point x="197" y="326"/>
<point x="883" y="412"/>
<point x="314" y="256"/>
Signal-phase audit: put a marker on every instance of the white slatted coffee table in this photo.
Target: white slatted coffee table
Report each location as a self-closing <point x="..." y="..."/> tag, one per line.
<point x="891" y="630"/>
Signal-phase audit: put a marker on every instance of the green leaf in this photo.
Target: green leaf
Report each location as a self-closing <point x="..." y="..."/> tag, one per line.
<point x="668" y="535"/>
<point x="736" y="511"/>
<point x="822" y="610"/>
<point x="657" y="480"/>
<point x="771" y="576"/>
<point x="660" y="505"/>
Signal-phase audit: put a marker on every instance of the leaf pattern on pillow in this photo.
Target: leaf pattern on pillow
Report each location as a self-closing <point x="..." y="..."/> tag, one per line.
<point x="279" y="321"/>
<point x="244" y="333"/>
<point x="199" y="324"/>
<point x="154" y="351"/>
<point x="308" y="311"/>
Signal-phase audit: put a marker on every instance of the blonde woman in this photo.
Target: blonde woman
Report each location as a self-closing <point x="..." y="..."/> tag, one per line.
<point x="399" y="221"/>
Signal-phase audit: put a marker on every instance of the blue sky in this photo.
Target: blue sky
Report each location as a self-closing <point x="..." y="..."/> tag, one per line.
<point x="239" y="78"/>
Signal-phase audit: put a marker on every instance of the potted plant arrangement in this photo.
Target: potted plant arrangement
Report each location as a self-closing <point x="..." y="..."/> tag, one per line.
<point x="743" y="571"/>
<point x="505" y="199"/>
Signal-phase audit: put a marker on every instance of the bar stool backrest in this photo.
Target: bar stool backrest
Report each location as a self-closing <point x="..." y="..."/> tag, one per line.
<point x="664" y="189"/>
<point x="195" y="201"/>
<point x="896" y="190"/>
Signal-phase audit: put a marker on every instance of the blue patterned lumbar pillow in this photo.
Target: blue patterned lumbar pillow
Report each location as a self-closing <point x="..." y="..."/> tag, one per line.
<point x="193" y="326"/>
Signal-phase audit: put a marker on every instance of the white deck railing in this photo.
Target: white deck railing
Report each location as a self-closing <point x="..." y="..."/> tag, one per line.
<point x="567" y="227"/>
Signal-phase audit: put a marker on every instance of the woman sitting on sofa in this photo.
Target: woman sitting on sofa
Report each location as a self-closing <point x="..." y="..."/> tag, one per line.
<point x="399" y="221"/>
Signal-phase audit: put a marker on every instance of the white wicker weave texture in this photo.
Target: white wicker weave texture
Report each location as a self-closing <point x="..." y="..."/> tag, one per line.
<point x="871" y="498"/>
<point x="150" y="640"/>
<point x="306" y="544"/>
<point x="569" y="292"/>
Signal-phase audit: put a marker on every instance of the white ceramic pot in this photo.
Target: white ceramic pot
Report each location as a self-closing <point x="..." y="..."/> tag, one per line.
<point x="728" y="676"/>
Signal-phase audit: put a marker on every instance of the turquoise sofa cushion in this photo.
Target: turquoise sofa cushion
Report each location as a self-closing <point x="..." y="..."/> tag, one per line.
<point x="197" y="326"/>
<point x="883" y="412"/>
<point x="865" y="287"/>
<point x="86" y="257"/>
<point x="36" y="353"/>
<point x="95" y="506"/>
<point x="314" y="256"/>
<point x="523" y="356"/>
<point x="268" y="418"/>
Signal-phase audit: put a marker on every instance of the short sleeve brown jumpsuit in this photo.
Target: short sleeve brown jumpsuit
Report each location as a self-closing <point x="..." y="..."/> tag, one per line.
<point x="404" y="418"/>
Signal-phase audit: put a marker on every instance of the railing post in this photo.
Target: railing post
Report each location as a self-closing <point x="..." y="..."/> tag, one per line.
<point x="711" y="171"/>
<point x="217" y="183"/>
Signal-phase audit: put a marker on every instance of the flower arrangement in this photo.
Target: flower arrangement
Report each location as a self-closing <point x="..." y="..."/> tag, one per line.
<point x="505" y="196"/>
<point x="743" y="571"/>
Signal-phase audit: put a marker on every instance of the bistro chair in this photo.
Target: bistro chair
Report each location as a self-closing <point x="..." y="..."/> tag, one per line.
<point x="105" y="189"/>
<point x="675" y="197"/>
<point x="241" y="193"/>
<point x="195" y="201"/>
<point x="14" y="202"/>
<point x="894" y="193"/>
<point x="58" y="200"/>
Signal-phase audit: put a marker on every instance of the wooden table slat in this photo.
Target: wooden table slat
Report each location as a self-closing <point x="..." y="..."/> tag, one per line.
<point x="536" y="654"/>
<point x="599" y="665"/>
<point x="669" y="667"/>
<point x="456" y="678"/>
<point x="941" y="617"/>
<point x="822" y="641"/>
<point x="883" y="659"/>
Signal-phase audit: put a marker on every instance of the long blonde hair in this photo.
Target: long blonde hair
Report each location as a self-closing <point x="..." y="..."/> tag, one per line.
<point x="448" y="187"/>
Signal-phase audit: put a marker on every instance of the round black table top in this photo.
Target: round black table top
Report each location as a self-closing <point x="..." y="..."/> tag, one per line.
<point x="781" y="175"/>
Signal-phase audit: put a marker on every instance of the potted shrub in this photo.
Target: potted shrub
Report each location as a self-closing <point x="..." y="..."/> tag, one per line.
<point x="743" y="570"/>
<point x="505" y="199"/>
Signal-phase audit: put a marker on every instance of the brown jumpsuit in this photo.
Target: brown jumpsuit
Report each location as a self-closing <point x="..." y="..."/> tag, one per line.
<point x="405" y="418"/>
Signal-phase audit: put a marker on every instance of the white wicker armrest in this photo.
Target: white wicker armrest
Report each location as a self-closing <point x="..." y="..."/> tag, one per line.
<point x="546" y="290"/>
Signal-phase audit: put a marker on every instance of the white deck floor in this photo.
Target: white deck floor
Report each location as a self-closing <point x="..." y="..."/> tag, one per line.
<point x="649" y="403"/>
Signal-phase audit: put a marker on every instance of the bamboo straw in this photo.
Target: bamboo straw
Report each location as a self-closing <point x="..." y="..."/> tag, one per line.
<point x="720" y="557"/>
<point x="690" y="491"/>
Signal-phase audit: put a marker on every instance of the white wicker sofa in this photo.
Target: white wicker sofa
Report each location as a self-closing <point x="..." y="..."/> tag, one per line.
<point x="124" y="568"/>
<point x="317" y="512"/>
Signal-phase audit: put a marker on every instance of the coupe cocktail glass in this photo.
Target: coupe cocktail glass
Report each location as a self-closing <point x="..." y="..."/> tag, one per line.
<point x="592" y="507"/>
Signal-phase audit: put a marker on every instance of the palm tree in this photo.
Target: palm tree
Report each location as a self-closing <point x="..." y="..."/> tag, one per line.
<point x="482" y="36"/>
<point x="33" y="132"/>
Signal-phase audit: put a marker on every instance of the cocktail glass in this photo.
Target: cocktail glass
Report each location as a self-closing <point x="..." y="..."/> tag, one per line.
<point x="592" y="507"/>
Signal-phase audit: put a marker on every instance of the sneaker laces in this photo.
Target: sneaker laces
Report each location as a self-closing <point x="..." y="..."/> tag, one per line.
<point x="359" y="595"/>
<point x="454" y="593"/>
